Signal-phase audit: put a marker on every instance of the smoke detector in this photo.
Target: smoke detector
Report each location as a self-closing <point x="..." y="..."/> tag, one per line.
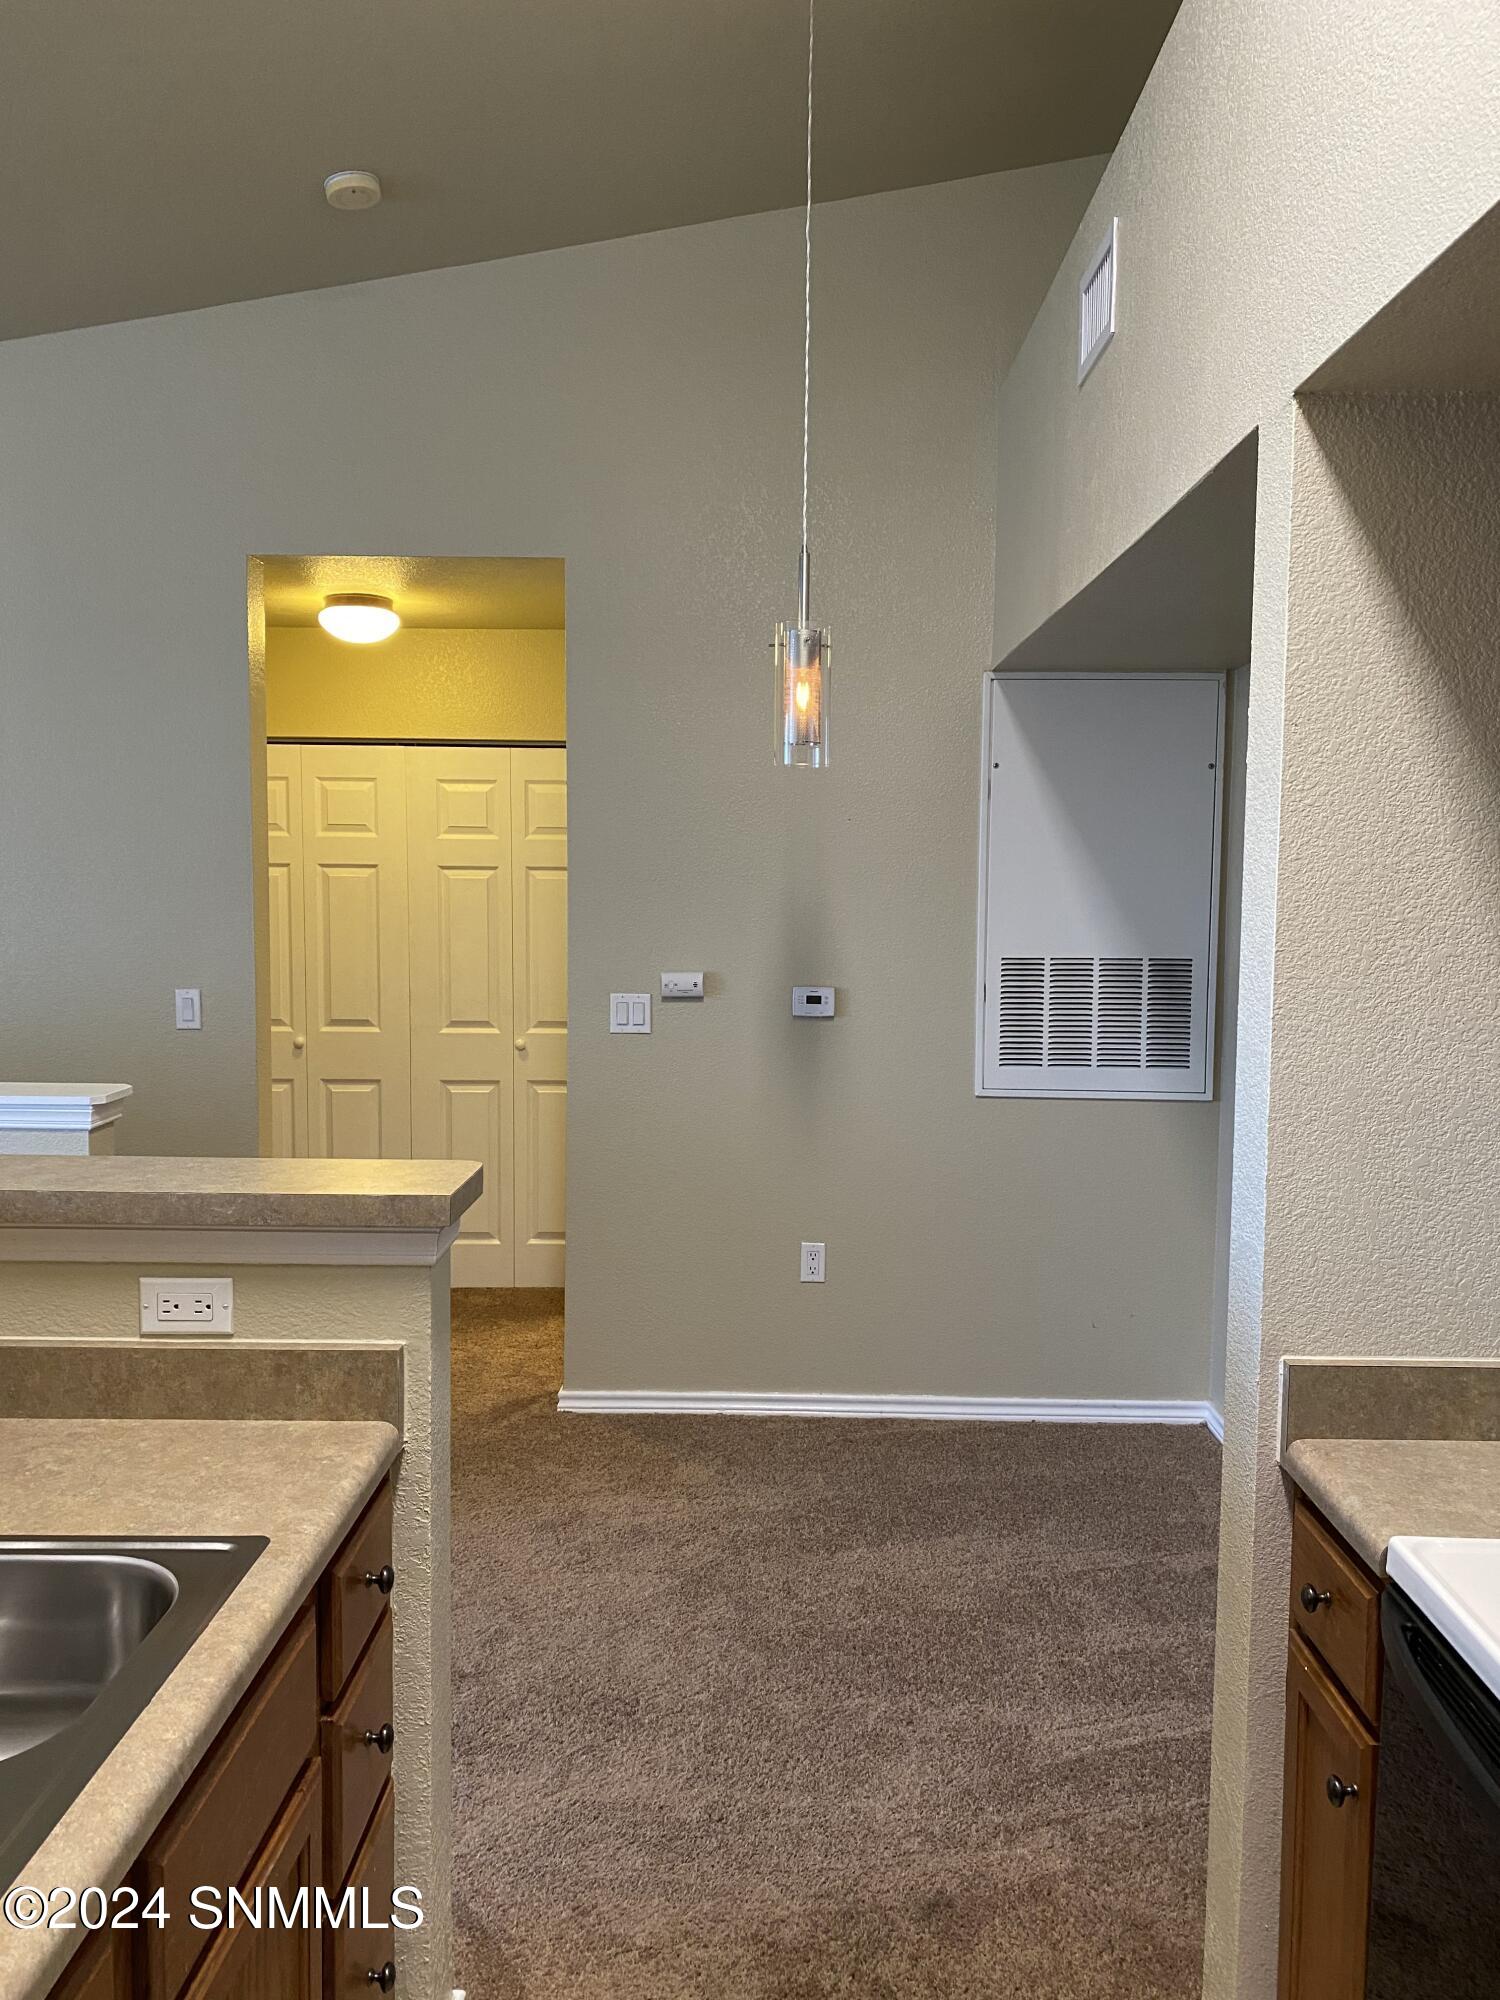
<point x="355" y="187"/>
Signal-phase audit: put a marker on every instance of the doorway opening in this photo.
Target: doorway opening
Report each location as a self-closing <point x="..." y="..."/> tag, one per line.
<point x="412" y="961"/>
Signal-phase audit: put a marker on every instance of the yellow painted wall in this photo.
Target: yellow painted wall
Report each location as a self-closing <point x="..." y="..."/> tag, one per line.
<point x="451" y="685"/>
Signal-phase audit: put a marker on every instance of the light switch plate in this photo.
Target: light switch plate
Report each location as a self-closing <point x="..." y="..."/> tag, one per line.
<point x="630" y="1013"/>
<point x="188" y="1002"/>
<point x="196" y="1307"/>
<point x="814" y="1003"/>
<point x="682" y="986"/>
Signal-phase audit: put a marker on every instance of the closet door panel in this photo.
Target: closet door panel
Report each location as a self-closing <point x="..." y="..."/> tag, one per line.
<point x="539" y="818"/>
<point x="288" y="967"/>
<point x="462" y="1034"/>
<point x="358" y="1045"/>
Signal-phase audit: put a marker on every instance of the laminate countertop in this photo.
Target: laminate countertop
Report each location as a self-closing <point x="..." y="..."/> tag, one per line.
<point x="302" y="1485"/>
<point x="44" y="1191"/>
<point x="1374" y="1488"/>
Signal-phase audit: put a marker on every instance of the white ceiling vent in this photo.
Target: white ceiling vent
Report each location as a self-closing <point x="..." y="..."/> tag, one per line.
<point x="1099" y="877"/>
<point x="1096" y="301"/>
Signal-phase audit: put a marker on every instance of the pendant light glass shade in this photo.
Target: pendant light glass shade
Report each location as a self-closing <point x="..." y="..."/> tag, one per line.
<point x="802" y="696"/>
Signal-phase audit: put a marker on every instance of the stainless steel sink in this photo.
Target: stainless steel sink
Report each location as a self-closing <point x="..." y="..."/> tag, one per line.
<point x="89" y="1630"/>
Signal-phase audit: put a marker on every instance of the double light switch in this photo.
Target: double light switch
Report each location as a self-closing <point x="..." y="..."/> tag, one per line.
<point x="630" y="1013"/>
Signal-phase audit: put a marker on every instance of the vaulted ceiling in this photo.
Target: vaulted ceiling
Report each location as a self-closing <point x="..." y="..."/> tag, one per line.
<point x="172" y="155"/>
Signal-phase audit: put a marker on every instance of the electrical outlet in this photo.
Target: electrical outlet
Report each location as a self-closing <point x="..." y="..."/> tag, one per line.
<point x="187" y="1305"/>
<point x="814" y="1263"/>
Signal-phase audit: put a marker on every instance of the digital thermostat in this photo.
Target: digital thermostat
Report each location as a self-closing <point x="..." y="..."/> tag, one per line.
<point x="813" y="1001"/>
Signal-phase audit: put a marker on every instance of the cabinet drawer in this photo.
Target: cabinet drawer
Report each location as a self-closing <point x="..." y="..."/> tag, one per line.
<point x="273" y="1962"/>
<point x="221" y="1819"/>
<point x="355" y="1766"/>
<point x="353" y="1594"/>
<point x="1327" y="1837"/>
<point x="354" y="1960"/>
<point x="1336" y="1608"/>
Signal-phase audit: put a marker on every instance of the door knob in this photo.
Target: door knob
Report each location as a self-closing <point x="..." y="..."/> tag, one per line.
<point x="299" y="1042"/>
<point x="520" y="1045"/>
<point x="1338" y="1791"/>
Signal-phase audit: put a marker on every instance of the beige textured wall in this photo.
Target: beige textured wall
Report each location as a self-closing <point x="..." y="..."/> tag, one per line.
<point x="1237" y="723"/>
<point x="447" y="684"/>
<point x="633" y="407"/>
<point x="1370" y="1061"/>
<point x="404" y="1304"/>
<point x="1286" y="170"/>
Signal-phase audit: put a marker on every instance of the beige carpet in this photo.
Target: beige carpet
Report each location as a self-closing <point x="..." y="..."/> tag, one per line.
<point x="766" y="1709"/>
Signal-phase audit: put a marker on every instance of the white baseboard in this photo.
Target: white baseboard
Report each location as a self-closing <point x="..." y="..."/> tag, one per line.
<point x="938" y="1409"/>
<point x="1214" y="1418"/>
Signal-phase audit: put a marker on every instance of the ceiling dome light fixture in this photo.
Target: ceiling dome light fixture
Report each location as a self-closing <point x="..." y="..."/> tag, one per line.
<point x="801" y="650"/>
<point x="355" y="187"/>
<point x="358" y="618"/>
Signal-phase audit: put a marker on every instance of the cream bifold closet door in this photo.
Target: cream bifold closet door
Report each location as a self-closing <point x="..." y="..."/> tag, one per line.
<point x="419" y="976"/>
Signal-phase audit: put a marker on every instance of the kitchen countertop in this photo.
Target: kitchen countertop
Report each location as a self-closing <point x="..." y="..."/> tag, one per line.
<point x="44" y="1191"/>
<point x="300" y="1484"/>
<point x="1374" y="1488"/>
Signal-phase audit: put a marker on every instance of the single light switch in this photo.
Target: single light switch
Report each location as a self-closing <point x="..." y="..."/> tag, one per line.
<point x="630" y="1013"/>
<point x="189" y="1006"/>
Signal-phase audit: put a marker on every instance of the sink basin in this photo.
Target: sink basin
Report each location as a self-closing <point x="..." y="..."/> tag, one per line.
<point x="69" y="1621"/>
<point x="89" y="1630"/>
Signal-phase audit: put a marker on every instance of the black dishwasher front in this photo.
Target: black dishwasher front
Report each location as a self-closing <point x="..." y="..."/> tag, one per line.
<point x="1435" y="1890"/>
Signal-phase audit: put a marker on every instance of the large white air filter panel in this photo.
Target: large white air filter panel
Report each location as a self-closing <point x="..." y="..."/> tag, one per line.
<point x="1099" y="876"/>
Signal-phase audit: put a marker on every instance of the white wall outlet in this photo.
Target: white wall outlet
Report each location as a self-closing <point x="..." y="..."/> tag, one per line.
<point x="189" y="1007"/>
<point x="630" y="1013"/>
<point x="814" y="1263"/>
<point x="187" y="1305"/>
<point x="682" y="986"/>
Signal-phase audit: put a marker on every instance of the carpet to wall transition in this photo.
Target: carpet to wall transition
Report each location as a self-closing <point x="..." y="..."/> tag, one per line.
<point x="808" y="1709"/>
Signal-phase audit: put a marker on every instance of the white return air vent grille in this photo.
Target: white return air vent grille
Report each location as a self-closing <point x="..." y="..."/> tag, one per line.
<point x="1095" y="1013"/>
<point x="1099" y="873"/>
<point x="1096" y="301"/>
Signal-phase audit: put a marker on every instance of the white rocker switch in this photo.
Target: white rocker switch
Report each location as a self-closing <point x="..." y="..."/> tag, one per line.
<point x="630" y="1013"/>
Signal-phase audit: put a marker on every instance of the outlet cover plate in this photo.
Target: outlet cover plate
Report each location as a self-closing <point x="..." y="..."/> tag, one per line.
<point x="192" y="1308"/>
<point x="814" y="1263"/>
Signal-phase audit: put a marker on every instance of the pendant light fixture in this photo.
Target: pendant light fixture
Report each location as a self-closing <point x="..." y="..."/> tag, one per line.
<point x="801" y="650"/>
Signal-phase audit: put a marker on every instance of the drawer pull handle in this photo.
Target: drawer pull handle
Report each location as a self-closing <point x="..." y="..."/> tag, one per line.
<point x="382" y="1579"/>
<point x="1312" y="1597"/>
<point x="1338" y="1791"/>
<point x="385" y="1978"/>
<point x="382" y="1739"/>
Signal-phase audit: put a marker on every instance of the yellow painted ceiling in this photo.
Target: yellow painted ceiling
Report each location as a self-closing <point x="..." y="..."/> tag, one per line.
<point x="435" y="591"/>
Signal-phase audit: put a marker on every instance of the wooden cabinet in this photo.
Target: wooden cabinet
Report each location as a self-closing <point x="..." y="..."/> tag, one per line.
<point x="355" y="1963"/>
<point x="101" y="1971"/>
<point x="269" y="1961"/>
<point x="296" y="1796"/>
<point x="1328" y="1805"/>
<point x="213" y="1832"/>
<point x="354" y="1592"/>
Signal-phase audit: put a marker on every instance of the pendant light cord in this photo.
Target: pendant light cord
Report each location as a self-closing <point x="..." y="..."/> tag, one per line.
<point x="807" y="284"/>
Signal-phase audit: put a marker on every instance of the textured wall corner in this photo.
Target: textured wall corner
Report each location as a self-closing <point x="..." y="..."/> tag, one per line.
<point x="1366" y="1151"/>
